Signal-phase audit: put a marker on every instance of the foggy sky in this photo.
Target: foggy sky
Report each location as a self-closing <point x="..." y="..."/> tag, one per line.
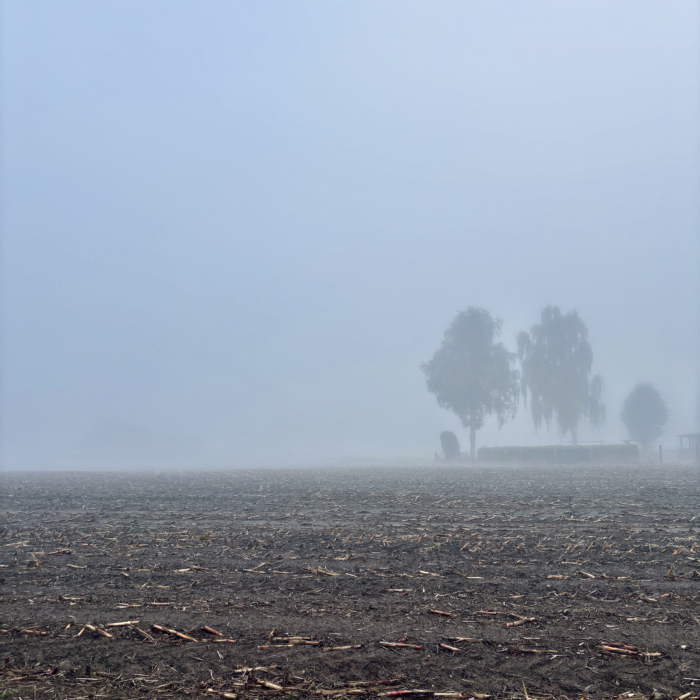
<point x="233" y="231"/>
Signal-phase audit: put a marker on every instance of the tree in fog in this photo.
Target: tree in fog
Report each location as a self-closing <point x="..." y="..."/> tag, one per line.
<point x="450" y="446"/>
<point x="473" y="375"/>
<point x="556" y="361"/>
<point x="644" y="414"/>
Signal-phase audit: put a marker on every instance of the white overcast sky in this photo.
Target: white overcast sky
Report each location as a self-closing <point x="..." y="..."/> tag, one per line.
<point x="233" y="230"/>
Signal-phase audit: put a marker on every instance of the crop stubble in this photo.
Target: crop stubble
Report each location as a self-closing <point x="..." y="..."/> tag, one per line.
<point x="465" y="581"/>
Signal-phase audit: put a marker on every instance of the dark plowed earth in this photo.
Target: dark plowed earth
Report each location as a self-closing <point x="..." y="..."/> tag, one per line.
<point x="569" y="582"/>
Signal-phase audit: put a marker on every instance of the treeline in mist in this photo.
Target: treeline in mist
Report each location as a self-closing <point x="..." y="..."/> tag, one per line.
<point x="475" y="376"/>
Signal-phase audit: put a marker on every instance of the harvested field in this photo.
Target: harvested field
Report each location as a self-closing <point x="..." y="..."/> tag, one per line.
<point x="459" y="581"/>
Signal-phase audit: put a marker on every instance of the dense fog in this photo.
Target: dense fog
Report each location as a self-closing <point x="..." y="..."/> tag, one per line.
<point x="232" y="233"/>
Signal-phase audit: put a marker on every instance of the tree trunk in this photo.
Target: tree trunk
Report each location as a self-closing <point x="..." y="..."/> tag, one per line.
<point x="574" y="436"/>
<point x="472" y="443"/>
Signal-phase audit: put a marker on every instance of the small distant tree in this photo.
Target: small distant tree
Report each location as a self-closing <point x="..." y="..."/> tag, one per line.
<point x="556" y="362"/>
<point x="450" y="446"/>
<point x="644" y="414"/>
<point x="471" y="374"/>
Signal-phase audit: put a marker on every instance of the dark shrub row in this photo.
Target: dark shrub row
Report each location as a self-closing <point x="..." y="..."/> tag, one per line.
<point x="562" y="454"/>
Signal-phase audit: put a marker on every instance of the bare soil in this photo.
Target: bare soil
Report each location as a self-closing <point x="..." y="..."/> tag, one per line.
<point x="597" y="568"/>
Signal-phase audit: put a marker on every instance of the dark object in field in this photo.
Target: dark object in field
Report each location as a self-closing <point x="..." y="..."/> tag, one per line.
<point x="450" y="446"/>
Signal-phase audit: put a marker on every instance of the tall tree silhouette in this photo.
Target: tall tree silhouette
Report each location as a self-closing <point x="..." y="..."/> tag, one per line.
<point x="556" y="361"/>
<point x="473" y="375"/>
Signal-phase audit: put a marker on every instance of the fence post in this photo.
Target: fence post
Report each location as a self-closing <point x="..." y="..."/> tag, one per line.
<point x="661" y="454"/>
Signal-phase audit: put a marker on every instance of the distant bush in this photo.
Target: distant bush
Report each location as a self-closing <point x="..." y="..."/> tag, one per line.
<point x="450" y="446"/>
<point x="561" y="454"/>
<point x="644" y="414"/>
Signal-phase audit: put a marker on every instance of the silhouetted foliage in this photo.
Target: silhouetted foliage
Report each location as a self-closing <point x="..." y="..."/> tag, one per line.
<point x="473" y="375"/>
<point x="561" y="454"/>
<point x="556" y="361"/>
<point x="644" y="414"/>
<point x="450" y="446"/>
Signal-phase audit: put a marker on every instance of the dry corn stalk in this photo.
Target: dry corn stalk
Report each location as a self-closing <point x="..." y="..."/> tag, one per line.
<point x="319" y="570"/>
<point x="92" y="628"/>
<point x="343" y="648"/>
<point x="123" y="624"/>
<point x="520" y="620"/>
<point x="401" y="644"/>
<point x="453" y="694"/>
<point x="221" y="694"/>
<point x="293" y="639"/>
<point x="470" y="640"/>
<point x="145" y="635"/>
<point x="625" y="649"/>
<point x="291" y="644"/>
<point x="175" y="632"/>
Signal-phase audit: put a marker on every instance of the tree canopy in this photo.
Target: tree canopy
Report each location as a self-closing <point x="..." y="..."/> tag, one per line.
<point x="556" y="361"/>
<point x="644" y="414"/>
<point x="473" y="375"/>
